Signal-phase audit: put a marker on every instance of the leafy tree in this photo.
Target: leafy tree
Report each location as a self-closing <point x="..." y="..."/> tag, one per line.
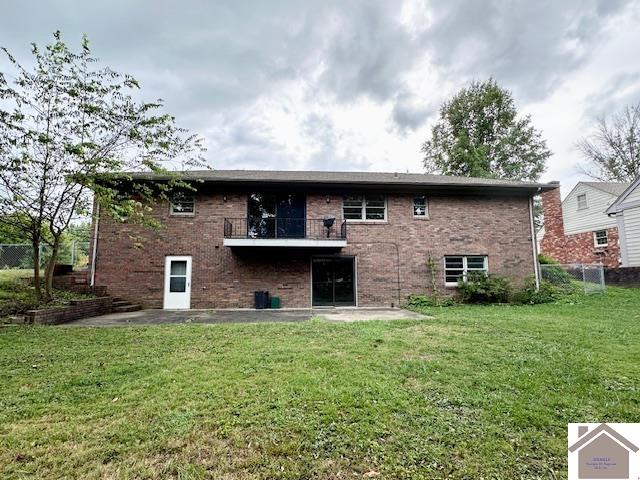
<point x="479" y="134"/>
<point x="613" y="150"/>
<point x="68" y="128"/>
<point x="10" y="231"/>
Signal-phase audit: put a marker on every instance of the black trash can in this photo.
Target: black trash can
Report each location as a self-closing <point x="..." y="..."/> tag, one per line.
<point x="261" y="299"/>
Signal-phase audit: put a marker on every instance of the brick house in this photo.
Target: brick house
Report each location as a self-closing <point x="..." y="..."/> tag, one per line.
<point x="317" y="239"/>
<point x="578" y="229"/>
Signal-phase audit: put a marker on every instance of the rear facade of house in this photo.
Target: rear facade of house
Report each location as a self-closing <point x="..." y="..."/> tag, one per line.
<point x="317" y="239"/>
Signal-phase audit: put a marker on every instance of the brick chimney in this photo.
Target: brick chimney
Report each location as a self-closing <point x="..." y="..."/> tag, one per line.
<point x="552" y="208"/>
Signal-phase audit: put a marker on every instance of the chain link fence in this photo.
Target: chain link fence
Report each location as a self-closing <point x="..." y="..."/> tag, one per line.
<point x="574" y="278"/>
<point x="20" y="256"/>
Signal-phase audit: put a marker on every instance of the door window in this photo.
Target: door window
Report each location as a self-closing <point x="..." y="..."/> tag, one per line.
<point x="178" y="276"/>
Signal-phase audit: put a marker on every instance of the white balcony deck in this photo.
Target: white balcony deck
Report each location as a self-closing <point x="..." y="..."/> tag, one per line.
<point x="285" y="242"/>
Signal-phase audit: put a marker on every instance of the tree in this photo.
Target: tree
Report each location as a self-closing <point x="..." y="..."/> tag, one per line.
<point x="613" y="150"/>
<point x="68" y="129"/>
<point x="479" y="134"/>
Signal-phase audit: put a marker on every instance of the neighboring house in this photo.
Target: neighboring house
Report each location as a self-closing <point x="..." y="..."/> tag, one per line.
<point x="578" y="229"/>
<point x="318" y="239"/>
<point x="625" y="211"/>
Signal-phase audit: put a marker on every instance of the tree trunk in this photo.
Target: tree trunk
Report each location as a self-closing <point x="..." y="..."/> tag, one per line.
<point x="36" y="269"/>
<point x="50" y="267"/>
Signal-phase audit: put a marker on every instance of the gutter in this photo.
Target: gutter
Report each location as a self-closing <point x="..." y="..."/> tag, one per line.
<point x="534" y="242"/>
<point x="94" y="250"/>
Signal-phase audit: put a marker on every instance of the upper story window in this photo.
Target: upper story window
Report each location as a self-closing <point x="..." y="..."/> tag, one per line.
<point x="365" y="207"/>
<point x="459" y="266"/>
<point x="582" y="201"/>
<point x="600" y="238"/>
<point x="182" y="204"/>
<point x="420" y="206"/>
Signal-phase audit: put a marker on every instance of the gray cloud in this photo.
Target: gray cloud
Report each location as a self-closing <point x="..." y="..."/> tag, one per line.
<point x="621" y="91"/>
<point x="214" y="62"/>
<point x="529" y="46"/>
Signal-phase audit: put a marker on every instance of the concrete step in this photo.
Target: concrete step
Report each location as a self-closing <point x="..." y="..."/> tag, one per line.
<point x="127" y="308"/>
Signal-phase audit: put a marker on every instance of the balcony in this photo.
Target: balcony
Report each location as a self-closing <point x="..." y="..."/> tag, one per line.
<point x="285" y="232"/>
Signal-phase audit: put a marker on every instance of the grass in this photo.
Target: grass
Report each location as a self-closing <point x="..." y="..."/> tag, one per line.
<point x="476" y="392"/>
<point x="17" y="296"/>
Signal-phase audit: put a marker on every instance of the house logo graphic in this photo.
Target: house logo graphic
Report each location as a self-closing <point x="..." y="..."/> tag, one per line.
<point x="602" y="451"/>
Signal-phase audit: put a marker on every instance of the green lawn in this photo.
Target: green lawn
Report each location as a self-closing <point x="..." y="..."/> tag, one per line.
<point x="476" y="392"/>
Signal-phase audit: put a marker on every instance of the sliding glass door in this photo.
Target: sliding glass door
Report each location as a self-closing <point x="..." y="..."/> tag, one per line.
<point x="333" y="281"/>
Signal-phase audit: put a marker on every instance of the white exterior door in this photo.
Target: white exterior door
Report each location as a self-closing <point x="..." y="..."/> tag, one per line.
<point x="177" y="283"/>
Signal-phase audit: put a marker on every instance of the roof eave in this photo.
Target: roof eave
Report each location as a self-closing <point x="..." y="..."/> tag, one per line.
<point x="532" y="188"/>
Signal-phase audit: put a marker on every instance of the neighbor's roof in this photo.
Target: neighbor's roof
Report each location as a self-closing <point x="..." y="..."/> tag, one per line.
<point x="343" y="178"/>
<point x="619" y="205"/>
<point x="613" y="188"/>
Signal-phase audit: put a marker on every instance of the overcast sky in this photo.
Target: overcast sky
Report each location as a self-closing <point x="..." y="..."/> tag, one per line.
<point x="352" y="85"/>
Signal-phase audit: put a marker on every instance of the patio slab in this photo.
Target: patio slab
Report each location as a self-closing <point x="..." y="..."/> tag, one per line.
<point x="160" y="317"/>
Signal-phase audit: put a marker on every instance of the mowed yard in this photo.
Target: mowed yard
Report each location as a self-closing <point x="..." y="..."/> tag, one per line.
<point x="476" y="392"/>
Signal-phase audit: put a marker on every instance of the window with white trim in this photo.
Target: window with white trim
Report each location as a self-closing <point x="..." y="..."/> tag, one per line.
<point x="364" y="207"/>
<point x="582" y="201"/>
<point x="600" y="238"/>
<point x="459" y="266"/>
<point x="182" y="204"/>
<point x="420" y="208"/>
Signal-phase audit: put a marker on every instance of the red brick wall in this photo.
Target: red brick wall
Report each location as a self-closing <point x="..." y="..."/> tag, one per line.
<point x="575" y="248"/>
<point x="90" y="307"/>
<point x="390" y="257"/>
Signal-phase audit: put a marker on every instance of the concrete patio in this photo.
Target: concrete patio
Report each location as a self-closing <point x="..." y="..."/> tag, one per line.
<point x="158" y="317"/>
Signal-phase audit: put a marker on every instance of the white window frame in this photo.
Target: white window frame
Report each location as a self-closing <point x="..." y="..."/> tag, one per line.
<point x="595" y="239"/>
<point x="363" y="210"/>
<point x="178" y="213"/>
<point x="465" y="269"/>
<point x="581" y="205"/>
<point x="426" y="206"/>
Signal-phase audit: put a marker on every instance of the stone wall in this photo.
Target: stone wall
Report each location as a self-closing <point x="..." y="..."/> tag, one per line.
<point x="77" y="309"/>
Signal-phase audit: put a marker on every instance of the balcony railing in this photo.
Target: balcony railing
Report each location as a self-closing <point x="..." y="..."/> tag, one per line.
<point x="285" y="228"/>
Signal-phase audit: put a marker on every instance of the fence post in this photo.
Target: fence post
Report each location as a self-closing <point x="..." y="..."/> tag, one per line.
<point x="73" y="253"/>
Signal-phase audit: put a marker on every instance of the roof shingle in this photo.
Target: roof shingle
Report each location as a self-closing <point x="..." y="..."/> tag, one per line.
<point x="327" y="177"/>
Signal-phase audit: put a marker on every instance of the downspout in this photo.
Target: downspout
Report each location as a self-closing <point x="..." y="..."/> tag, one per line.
<point x="95" y="243"/>
<point x="534" y="243"/>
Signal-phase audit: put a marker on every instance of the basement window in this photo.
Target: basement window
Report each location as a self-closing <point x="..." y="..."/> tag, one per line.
<point x="600" y="238"/>
<point x="459" y="266"/>
<point x="182" y="204"/>
<point x="582" y="201"/>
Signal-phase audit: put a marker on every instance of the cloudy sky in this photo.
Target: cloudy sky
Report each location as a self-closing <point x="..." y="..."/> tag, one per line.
<point x="352" y="85"/>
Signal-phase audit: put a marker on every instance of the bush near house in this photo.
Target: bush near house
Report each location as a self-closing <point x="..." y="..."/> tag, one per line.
<point x="483" y="288"/>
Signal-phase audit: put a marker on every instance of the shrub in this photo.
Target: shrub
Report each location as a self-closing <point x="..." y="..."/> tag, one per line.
<point x="547" y="260"/>
<point x="547" y="293"/>
<point x="483" y="288"/>
<point x="421" y="302"/>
